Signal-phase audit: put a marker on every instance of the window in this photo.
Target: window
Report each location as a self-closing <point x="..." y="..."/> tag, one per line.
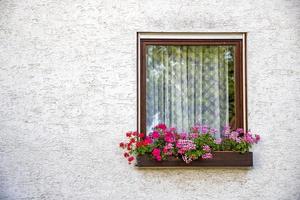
<point x="190" y="78"/>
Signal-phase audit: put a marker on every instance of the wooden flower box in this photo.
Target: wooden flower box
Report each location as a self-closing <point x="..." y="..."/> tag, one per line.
<point x="220" y="159"/>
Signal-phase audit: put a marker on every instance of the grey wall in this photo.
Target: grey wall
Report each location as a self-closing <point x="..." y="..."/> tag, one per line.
<point x="68" y="94"/>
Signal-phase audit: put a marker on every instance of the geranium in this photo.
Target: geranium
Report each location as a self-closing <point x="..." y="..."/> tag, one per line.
<point x="218" y="141"/>
<point x="172" y="129"/>
<point x="158" y="158"/>
<point x="156" y="152"/>
<point x="169" y="137"/>
<point x="130" y="159"/>
<point x="185" y="145"/>
<point x="132" y="140"/>
<point x="183" y="136"/>
<point x="237" y="140"/>
<point x="233" y="135"/>
<point x="204" y="129"/>
<point x="195" y="129"/>
<point x="155" y="134"/>
<point x="213" y="130"/>
<point x="207" y="156"/>
<point x="122" y="145"/>
<point x="194" y="135"/>
<point x="147" y="141"/>
<point x="128" y="134"/>
<point x="161" y="126"/>
<point x="206" y="148"/>
<point x="257" y="138"/>
<point x="226" y="130"/>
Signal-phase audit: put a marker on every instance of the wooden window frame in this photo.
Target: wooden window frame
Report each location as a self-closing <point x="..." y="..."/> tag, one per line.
<point x="235" y="39"/>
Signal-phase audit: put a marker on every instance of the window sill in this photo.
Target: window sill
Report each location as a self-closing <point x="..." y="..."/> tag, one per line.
<point x="220" y="159"/>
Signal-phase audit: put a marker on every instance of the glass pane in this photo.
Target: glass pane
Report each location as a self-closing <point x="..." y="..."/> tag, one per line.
<point x="189" y="85"/>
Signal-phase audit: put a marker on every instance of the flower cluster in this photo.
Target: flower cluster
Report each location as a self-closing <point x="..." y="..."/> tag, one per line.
<point x="199" y="143"/>
<point x="137" y="144"/>
<point x="237" y="140"/>
<point x="185" y="145"/>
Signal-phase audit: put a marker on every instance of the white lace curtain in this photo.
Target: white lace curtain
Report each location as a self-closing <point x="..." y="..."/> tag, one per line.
<point x="190" y="84"/>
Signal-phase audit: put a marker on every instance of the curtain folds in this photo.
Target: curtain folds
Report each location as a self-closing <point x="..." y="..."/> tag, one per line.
<point x="187" y="85"/>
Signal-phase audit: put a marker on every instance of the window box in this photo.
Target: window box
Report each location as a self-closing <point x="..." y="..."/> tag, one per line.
<point x="220" y="159"/>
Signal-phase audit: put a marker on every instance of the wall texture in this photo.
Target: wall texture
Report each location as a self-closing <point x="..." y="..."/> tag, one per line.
<point x="68" y="94"/>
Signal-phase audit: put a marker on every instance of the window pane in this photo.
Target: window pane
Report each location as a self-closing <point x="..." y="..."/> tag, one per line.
<point x="187" y="85"/>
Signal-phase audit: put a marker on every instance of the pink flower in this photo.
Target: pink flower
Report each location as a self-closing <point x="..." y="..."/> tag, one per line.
<point x="194" y="135"/>
<point x="156" y="152"/>
<point x="185" y="145"/>
<point x="233" y="135"/>
<point x="206" y="148"/>
<point x="257" y="138"/>
<point x="161" y="126"/>
<point x="158" y="158"/>
<point x="155" y="134"/>
<point x="240" y="130"/>
<point x="196" y="128"/>
<point x="169" y="146"/>
<point x="183" y="136"/>
<point x="172" y="129"/>
<point x="181" y="151"/>
<point x="186" y="159"/>
<point x="207" y="156"/>
<point x="169" y="137"/>
<point x="226" y="130"/>
<point x="204" y="129"/>
<point x="238" y="140"/>
<point x="218" y="141"/>
<point x="213" y="130"/>
<point x="248" y="138"/>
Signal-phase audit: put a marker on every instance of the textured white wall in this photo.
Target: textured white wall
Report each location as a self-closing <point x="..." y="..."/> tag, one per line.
<point x="68" y="94"/>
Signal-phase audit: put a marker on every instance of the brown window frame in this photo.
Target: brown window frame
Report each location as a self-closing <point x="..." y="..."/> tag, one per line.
<point x="240" y="75"/>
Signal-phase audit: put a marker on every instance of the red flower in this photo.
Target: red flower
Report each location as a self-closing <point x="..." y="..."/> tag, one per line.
<point x="161" y="126"/>
<point x="141" y="135"/>
<point x="134" y="133"/>
<point x="128" y="134"/>
<point x="132" y="140"/>
<point x="139" y="144"/>
<point x="130" y="159"/>
<point x="147" y="141"/>
<point x="122" y="145"/>
<point x="126" y="155"/>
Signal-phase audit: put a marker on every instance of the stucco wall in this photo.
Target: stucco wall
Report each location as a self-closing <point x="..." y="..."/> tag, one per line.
<point x="68" y="94"/>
